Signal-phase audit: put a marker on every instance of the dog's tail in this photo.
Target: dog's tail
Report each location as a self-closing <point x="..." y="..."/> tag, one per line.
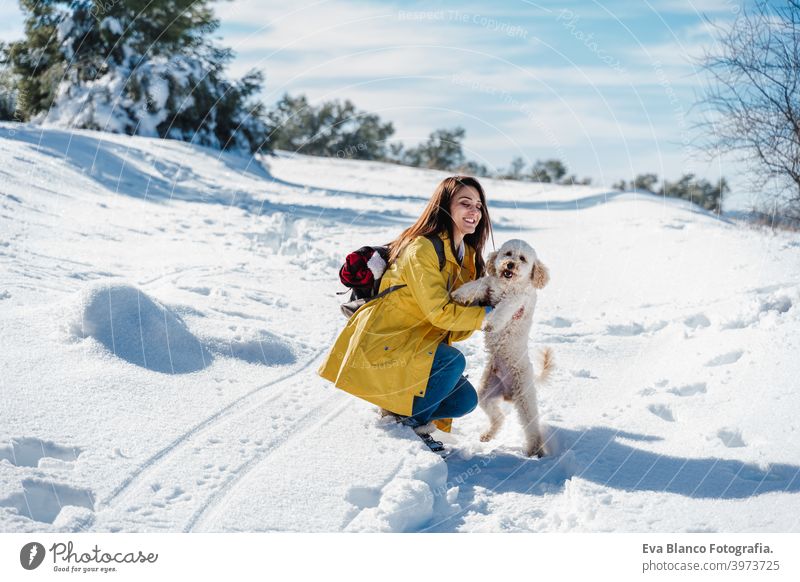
<point x="548" y="365"/>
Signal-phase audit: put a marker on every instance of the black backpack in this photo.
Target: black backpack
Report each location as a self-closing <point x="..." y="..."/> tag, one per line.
<point x="363" y="270"/>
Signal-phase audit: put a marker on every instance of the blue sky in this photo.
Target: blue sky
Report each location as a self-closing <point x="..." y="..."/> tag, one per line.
<point x="607" y="86"/>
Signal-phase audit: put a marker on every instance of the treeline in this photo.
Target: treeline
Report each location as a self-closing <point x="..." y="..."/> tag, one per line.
<point x="700" y="192"/>
<point x="339" y="129"/>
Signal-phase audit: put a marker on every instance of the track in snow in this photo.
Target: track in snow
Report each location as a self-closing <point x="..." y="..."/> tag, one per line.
<point x="173" y="447"/>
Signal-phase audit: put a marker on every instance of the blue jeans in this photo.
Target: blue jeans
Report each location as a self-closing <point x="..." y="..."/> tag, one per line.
<point x="449" y="394"/>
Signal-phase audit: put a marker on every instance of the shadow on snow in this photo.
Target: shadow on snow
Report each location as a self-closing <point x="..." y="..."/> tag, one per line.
<point x="606" y="457"/>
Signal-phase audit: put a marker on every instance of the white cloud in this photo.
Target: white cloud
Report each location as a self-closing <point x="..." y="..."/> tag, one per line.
<point x="329" y="40"/>
<point x="348" y="26"/>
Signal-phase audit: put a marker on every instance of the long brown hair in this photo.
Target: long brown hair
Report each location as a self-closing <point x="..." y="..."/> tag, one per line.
<point x="436" y="218"/>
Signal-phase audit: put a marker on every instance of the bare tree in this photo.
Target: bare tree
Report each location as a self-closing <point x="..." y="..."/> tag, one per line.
<point x="751" y="104"/>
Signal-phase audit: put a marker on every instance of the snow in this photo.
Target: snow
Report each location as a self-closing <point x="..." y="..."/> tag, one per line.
<point x="165" y="307"/>
<point x="112" y="25"/>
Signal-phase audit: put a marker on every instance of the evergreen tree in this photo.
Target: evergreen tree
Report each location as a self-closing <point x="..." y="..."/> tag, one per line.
<point x="8" y="90"/>
<point x="517" y="164"/>
<point x="141" y="67"/>
<point x="473" y="168"/>
<point x="573" y="180"/>
<point x="396" y="153"/>
<point x="645" y="182"/>
<point x="442" y="150"/>
<point x="700" y="192"/>
<point x="332" y="129"/>
<point x="514" y="171"/>
<point x="548" y="171"/>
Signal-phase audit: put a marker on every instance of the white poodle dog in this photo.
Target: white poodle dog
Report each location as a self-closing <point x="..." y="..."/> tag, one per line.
<point x="514" y="273"/>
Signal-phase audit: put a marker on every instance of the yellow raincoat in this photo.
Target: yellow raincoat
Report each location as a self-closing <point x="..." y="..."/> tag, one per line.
<point x="385" y="352"/>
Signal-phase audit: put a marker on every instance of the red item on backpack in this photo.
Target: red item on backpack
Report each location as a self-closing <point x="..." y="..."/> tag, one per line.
<point x="363" y="267"/>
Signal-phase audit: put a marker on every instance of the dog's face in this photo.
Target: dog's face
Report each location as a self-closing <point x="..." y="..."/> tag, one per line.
<point x="516" y="266"/>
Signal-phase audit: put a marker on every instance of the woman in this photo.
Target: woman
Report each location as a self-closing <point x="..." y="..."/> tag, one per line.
<point x="396" y="351"/>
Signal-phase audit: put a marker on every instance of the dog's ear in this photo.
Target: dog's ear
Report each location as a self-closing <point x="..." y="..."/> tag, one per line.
<point x="490" y="267"/>
<point x="540" y="275"/>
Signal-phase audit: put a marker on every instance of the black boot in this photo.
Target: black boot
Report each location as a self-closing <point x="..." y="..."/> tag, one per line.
<point x="434" y="445"/>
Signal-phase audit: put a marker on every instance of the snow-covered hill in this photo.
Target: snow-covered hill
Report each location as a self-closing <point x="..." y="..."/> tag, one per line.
<point x="164" y="309"/>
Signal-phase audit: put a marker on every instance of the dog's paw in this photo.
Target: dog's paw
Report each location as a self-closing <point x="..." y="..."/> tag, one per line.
<point x="486" y="437"/>
<point x="535" y="450"/>
<point x="471" y="293"/>
<point x="464" y="294"/>
<point x="459" y="297"/>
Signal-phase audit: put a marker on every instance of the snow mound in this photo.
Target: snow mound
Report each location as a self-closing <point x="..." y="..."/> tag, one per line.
<point x="410" y="500"/>
<point x="405" y="505"/>
<point x="138" y="329"/>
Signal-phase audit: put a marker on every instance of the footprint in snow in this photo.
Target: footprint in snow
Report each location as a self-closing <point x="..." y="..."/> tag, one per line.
<point x="775" y="305"/>
<point x="697" y="320"/>
<point x="199" y="290"/>
<point x="731" y="437"/>
<point x="737" y="323"/>
<point x="634" y="328"/>
<point x="558" y="322"/>
<point x="689" y="389"/>
<point x="42" y="501"/>
<point x="629" y="329"/>
<point x="27" y="452"/>
<point x="662" y="411"/>
<point x="724" y="359"/>
<point x="778" y="303"/>
<point x="651" y="390"/>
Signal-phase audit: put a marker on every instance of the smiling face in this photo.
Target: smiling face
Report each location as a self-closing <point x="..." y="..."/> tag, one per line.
<point x="465" y="211"/>
<point x="513" y="263"/>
